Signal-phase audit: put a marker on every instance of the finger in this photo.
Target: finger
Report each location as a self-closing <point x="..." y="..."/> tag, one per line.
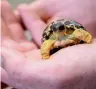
<point x="32" y="22"/>
<point x="12" y="45"/>
<point x="27" y="46"/>
<point x="60" y="15"/>
<point x="4" y="29"/>
<point x="33" y="55"/>
<point x="11" y="21"/>
<point x="16" y="12"/>
<point x="21" y="47"/>
<point x="43" y="8"/>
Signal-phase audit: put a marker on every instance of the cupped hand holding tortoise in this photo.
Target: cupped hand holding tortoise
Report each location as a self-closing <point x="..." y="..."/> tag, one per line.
<point x="71" y="67"/>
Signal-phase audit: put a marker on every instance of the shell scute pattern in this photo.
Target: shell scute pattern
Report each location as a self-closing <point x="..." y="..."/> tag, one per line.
<point x="69" y="24"/>
<point x="66" y="32"/>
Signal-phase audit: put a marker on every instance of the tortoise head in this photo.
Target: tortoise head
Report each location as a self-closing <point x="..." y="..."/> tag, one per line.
<point x="58" y="27"/>
<point x="61" y="28"/>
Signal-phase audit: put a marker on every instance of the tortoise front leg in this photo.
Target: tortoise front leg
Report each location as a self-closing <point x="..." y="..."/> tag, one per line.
<point x="46" y="47"/>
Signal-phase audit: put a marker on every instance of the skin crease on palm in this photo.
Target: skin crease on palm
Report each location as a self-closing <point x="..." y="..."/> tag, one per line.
<point x="70" y="68"/>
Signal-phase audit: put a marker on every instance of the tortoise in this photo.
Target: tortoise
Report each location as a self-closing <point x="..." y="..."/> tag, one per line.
<point x="62" y="33"/>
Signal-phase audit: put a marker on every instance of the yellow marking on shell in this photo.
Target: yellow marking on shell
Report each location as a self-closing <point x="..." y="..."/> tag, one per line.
<point x="48" y="29"/>
<point x="83" y="35"/>
<point x="46" y="47"/>
<point x="48" y="33"/>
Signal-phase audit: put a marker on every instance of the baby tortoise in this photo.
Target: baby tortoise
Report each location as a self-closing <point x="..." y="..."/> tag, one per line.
<point x="63" y="33"/>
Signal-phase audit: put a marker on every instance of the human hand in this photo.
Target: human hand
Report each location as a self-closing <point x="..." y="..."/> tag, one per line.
<point x="65" y="69"/>
<point x="39" y="13"/>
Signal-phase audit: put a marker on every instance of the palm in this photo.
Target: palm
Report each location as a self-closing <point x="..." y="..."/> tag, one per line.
<point x="31" y="65"/>
<point x="24" y="67"/>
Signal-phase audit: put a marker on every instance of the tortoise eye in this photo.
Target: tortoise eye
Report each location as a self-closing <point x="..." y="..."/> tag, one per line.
<point x="61" y="27"/>
<point x="54" y="27"/>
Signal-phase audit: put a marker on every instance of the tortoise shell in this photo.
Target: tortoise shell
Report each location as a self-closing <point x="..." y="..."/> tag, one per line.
<point x="60" y="25"/>
<point x="63" y="33"/>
